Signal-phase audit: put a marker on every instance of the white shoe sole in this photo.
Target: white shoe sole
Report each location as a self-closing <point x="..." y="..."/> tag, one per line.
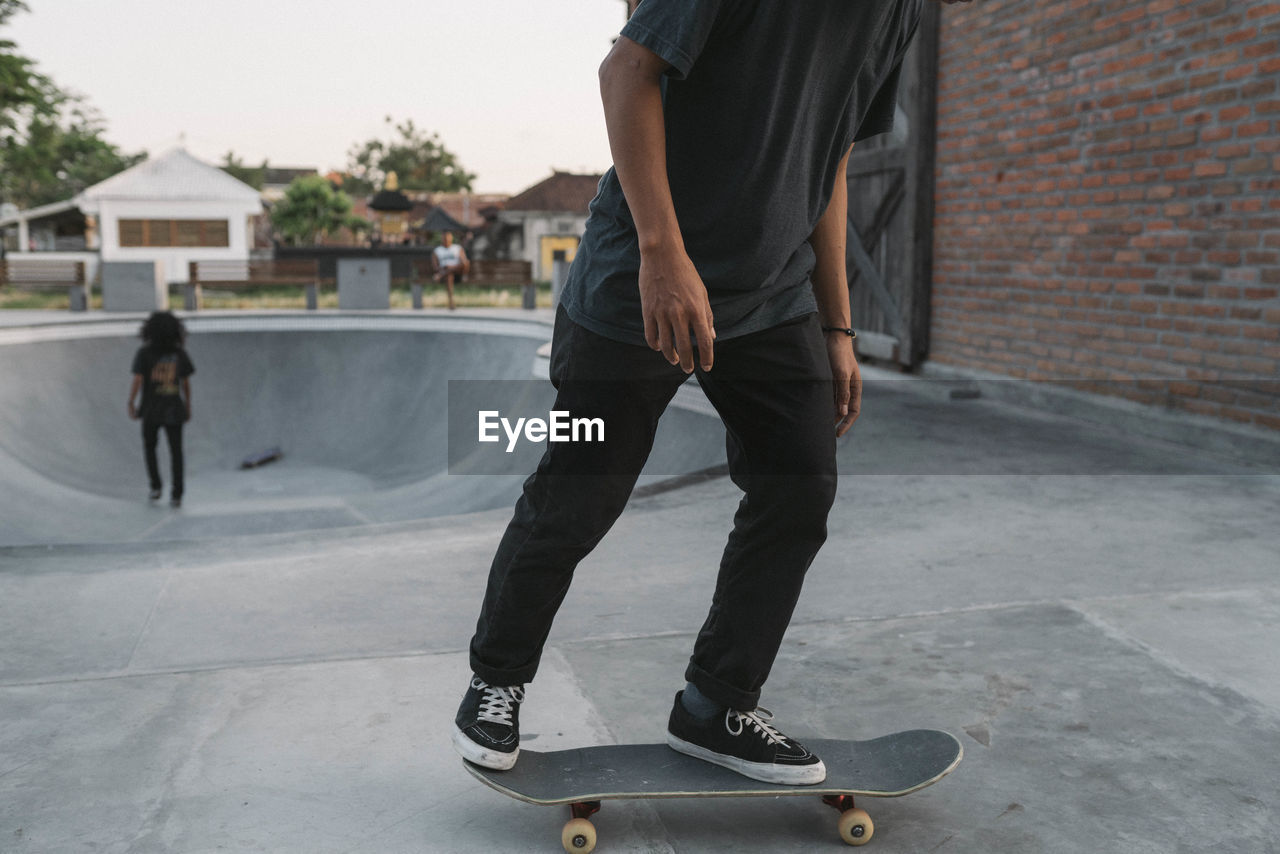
<point x="767" y="772"/>
<point x="483" y="757"/>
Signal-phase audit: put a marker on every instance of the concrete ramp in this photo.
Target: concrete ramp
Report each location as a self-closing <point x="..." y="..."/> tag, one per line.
<point x="358" y="403"/>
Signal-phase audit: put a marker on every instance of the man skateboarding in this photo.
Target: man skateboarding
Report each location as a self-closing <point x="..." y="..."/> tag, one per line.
<point x="715" y="246"/>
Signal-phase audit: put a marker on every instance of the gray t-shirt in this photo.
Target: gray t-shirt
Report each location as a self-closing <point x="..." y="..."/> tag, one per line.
<point x="761" y="102"/>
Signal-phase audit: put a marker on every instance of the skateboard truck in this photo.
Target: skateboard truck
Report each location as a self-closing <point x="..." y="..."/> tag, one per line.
<point x="855" y="825"/>
<point x="579" y="834"/>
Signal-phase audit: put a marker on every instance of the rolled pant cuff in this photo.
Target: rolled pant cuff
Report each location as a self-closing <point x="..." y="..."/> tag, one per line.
<point x="721" y="692"/>
<point x="502" y="677"/>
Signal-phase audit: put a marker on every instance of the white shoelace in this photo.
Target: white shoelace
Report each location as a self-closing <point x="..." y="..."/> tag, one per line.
<point x="498" y="703"/>
<point x="759" y="719"/>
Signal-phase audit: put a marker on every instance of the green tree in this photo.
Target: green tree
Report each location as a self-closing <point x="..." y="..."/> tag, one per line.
<point x="51" y="144"/>
<point x="419" y="159"/>
<point x="23" y="91"/>
<point x="58" y="156"/>
<point x="311" y="207"/>
<point x="254" y="176"/>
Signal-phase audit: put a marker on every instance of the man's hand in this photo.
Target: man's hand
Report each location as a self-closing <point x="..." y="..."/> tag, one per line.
<point x="846" y="380"/>
<point x="133" y="411"/>
<point x="673" y="298"/>
<point x="673" y="301"/>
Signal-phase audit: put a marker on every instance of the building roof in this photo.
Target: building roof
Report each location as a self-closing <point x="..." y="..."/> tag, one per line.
<point x="438" y="219"/>
<point x="563" y="192"/>
<point x="37" y="213"/>
<point x="390" y="200"/>
<point x="464" y="207"/>
<point x="284" y="175"/>
<point x="173" y="176"/>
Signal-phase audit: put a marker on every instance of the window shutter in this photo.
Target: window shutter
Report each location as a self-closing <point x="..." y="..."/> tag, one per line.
<point x="130" y="232"/>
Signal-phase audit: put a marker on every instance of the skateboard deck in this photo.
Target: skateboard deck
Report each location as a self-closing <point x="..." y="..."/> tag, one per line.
<point x="885" y="767"/>
<point x="261" y="458"/>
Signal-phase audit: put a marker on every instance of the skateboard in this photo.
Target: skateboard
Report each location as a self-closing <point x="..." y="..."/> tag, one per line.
<point x="261" y="458"/>
<point x="885" y="767"/>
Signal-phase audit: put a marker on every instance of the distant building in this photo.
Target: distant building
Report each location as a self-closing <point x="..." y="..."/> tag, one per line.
<point x="463" y="207"/>
<point x="276" y="180"/>
<point x="173" y="208"/>
<point x="550" y="216"/>
<point x="391" y="209"/>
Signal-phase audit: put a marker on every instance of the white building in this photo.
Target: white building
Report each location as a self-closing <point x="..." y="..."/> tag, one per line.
<point x="173" y="208"/>
<point x="548" y="217"/>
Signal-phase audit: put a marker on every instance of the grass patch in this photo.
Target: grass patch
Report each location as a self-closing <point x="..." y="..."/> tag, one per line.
<point x="432" y="297"/>
<point x="52" y="300"/>
<point x="250" y="299"/>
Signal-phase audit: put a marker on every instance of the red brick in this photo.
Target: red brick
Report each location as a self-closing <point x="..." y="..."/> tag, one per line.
<point x="1128" y="189"/>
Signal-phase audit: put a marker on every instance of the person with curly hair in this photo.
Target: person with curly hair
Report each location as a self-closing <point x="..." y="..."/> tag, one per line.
<point x="162" y="373"/>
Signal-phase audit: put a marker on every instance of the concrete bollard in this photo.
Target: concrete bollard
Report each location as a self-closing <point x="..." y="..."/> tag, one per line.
<point x="364" y="284"/>
<point x="559" y="273"/>
<point x="134" y="286"/>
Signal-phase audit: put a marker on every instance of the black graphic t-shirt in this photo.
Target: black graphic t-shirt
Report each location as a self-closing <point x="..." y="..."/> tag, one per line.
<point x="162" y="375"/>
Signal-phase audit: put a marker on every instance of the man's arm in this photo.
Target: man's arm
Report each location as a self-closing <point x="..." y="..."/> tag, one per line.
<point x="186" y="395"/>
<point x="831" y="290"/>
<point x="673" y="298"/>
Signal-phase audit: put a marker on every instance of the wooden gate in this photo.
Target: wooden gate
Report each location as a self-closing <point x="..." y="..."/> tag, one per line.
<point x="890" y="237"/>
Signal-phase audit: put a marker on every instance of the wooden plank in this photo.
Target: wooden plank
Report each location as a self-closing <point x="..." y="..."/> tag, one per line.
<point x="38" y="274"/>
<point x="233" y="274"/>
<point x="877" y="345"/>
<point x="917" y="248"/>
<point x="873" y="160"/>
<point x="490" y="273"/>
<point x="869" y="274"/>
<point x="884" y="213"/>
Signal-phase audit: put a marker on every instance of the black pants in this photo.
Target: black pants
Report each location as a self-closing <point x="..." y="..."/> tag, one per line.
<point x="773" y="390"/>
<point x="150" y="437"/>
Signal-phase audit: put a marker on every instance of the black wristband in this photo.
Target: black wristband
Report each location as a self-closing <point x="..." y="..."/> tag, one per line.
<point x="853" y="336"/>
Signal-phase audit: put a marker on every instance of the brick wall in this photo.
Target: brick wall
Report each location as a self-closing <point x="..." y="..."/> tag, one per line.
<point x="1108" y="199"/>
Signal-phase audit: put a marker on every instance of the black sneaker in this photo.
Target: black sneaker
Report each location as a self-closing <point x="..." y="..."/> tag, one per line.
<point x="747" y="743"/>
<point x="175" y="502"/>
<point x="154" y="495"/>
<point x="488" y="725"/>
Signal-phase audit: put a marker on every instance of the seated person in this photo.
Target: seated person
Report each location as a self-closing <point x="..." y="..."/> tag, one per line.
<point x="451" y="260"/>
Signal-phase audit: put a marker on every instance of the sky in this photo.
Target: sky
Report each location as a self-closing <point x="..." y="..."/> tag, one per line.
<point x="509" y="85"/>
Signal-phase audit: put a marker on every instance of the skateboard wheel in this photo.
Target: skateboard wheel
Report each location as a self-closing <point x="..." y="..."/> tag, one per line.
<point x="579" y="836"/>
<point x="856" y="827"/>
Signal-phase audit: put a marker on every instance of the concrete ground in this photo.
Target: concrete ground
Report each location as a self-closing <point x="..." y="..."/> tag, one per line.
<point x="1093" y="613"/>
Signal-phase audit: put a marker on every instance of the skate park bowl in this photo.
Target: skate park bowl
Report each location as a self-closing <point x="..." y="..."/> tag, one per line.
<point x="357" y="403"/>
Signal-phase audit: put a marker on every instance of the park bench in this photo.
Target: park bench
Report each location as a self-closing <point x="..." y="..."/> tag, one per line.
<point x="302" y="273"/>
<point x="485" y="273"/>
<point x="47" y="274"/>
<point x="500" y="274"/>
